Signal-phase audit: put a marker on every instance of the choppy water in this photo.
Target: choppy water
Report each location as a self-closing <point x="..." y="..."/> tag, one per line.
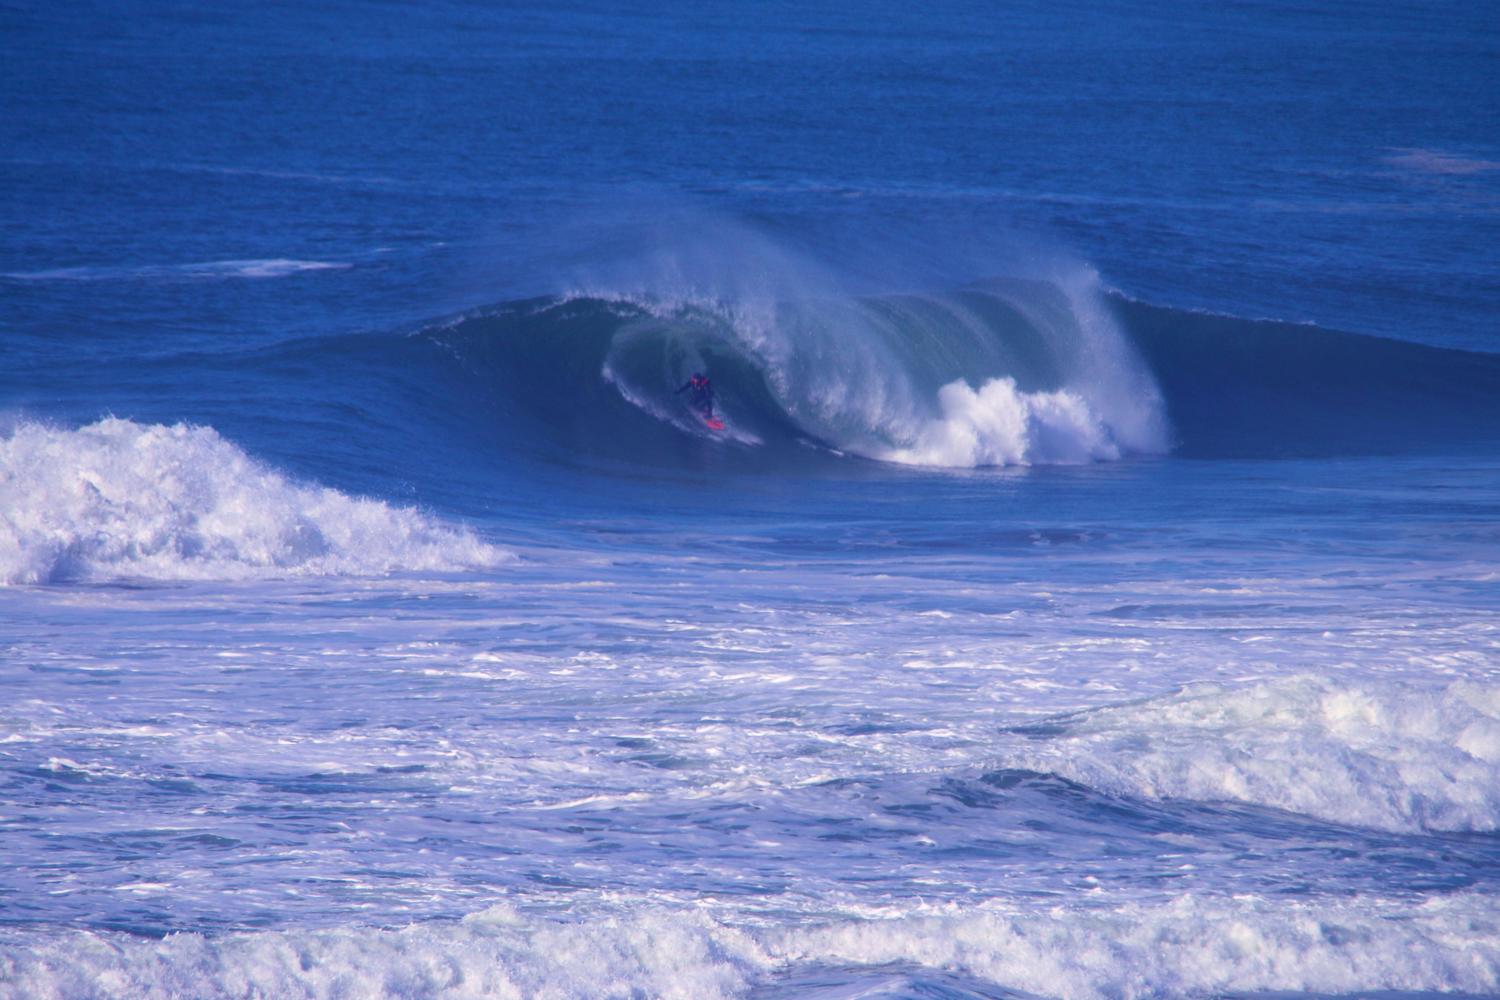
<point x="378" y="620"/>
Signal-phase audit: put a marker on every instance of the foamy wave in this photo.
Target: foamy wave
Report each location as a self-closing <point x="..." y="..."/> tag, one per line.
<point x="1386" y="756"/>
<point x="1190" y="946"/>
<point x="491" y="954"/>
<point x="1110" y="407"/>
<point x="999" y="424"/>
<point x="856" y="373"/>
<point x="121" y="499"/>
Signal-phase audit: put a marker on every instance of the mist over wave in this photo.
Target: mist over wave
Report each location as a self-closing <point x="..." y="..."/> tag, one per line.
<point x="1003" y="373"/>
<point x="924" y="348"/>
<point x="122" y="499"/>
<point x="904" y="346"/>
<point x="830" y="352"/>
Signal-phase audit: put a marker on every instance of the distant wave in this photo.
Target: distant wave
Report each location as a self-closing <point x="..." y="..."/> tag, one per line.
<point x="1384" y="756"/>
<point x="276" y="267"/>
<point x="1088" y="947"/>
<point x="1434" y="161"/>
<point x="121" y="499"/>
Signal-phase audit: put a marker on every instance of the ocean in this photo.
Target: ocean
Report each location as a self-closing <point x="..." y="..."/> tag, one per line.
<point x="1093" y="592"/>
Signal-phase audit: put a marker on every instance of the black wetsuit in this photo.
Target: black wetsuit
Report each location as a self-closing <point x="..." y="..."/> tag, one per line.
<point x="703" y="395"/>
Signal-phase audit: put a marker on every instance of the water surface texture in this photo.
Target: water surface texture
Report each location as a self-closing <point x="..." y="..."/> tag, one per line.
<point x="1094" y="591"/>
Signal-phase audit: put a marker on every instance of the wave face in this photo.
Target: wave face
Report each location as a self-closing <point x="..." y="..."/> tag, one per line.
<point x="1005" y="373"/>
<point x="1262" y="388"/>
<point x="122" y="499"/>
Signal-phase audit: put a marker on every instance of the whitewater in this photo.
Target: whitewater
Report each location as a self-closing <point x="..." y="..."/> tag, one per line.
<point x="1094" y="592"/>
<point x="755" y="753"/>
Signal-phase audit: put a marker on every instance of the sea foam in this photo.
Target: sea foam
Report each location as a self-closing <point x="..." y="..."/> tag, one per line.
<point x="122" y="499"/>
<point x="998" y="424"/>
<point x="1375" y="754"/>
<point x="1078" y="950"/>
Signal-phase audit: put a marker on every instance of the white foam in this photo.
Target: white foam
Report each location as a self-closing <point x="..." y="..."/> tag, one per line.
<point x="1076" y="950"/>
<point x="492" y="954"/>
<point x="1190" y="946"/>
<point x="1109" y="408"/>
<point x="121" y="499"/>
<point x="1383" y="755"/>
<point x="999" y="424"/>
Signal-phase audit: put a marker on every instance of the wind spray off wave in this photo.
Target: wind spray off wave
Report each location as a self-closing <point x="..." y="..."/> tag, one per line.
<point x="1007" y="372"/>
<point x="889" y="353"/>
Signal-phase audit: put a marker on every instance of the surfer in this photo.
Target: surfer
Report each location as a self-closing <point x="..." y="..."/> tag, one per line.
<point x="703" y="394"/>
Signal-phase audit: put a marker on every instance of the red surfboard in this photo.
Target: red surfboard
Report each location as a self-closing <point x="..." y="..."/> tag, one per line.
<point x="714" y="423"/>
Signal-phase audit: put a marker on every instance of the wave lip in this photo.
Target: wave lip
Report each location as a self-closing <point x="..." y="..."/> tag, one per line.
<point x="1002" y="372"/>
<point x="1383" y="756"/>
<point x="120" y="499"/>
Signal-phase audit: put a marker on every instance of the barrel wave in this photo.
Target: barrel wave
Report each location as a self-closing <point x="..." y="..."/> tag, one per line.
<point x="1003" y="372"/>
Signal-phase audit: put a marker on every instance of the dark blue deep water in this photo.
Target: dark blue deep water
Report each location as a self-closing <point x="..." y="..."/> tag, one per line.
<point x="1091" y="592"/>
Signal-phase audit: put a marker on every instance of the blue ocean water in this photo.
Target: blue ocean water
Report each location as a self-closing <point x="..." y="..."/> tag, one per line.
<point x="1093" y="591"/>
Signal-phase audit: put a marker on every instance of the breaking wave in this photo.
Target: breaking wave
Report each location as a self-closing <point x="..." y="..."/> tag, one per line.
<point x="1072" y="949"/>
<point x="1007" y="372"/>
<point x="1384" y="756"/>
<point x="121" y="499"/>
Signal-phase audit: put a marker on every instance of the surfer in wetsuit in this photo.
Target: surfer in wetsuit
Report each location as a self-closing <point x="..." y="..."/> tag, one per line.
<point x="703" y="394"/>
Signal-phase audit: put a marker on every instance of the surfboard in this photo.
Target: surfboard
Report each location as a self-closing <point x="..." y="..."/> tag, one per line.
<point x="713" y="423"/>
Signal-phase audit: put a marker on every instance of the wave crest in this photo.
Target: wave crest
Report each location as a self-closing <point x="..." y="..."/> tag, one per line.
<point x="1080" y="950"/>
<point x="121" y="499"/>
<point x="1385" y="756"/>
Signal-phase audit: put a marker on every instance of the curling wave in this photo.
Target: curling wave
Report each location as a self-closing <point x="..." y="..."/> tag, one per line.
<point x="999" y="373"/>
<point x="1002" y="373"/>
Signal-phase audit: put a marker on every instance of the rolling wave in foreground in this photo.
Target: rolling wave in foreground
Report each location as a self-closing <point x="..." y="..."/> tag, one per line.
<point x="121" y="499"/>
<point x="1190" y="946"/>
